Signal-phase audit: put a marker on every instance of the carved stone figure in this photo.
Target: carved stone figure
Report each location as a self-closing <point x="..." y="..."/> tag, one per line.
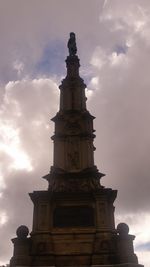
<point x="74" y="185"/>
<point x="72" y="44"/>
<point x="74" y="159"/>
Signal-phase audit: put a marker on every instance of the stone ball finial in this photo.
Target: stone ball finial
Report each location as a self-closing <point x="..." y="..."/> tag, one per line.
<point x="22" y="231"/>
<point x="123" y="229"/>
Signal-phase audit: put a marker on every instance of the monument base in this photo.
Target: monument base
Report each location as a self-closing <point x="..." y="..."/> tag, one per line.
<point x="112" y="265"/>
<point x="120" y="265"/>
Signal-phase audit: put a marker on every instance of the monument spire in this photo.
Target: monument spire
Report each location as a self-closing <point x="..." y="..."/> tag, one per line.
<point x="73" y="168"/>
<point x="73" y="221"/>
<point x="72" y="89"/>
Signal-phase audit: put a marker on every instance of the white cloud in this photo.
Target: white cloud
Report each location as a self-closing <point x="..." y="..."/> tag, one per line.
<point x="18" y="66"/>
<point x="3" y="218"/>
<point x="144" y="258"/>
<point x="10" y="145"/>
<point x="24" y="134"/>
<point x="23" y="112"/>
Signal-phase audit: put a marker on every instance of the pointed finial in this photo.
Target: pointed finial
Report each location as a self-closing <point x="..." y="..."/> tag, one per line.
<point x="72" y="44"/>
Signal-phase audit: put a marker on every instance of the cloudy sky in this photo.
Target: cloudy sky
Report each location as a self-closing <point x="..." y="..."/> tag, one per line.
<point x="113" y="39"/>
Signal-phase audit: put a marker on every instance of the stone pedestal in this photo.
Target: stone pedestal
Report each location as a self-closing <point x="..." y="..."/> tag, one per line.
<point x="120" y="265"/>
<point x="75" y="229"/>
<point x="114" y="265"/>
<point x="21" y="256"/>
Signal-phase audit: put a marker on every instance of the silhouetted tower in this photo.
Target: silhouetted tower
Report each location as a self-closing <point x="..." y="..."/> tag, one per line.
<point x="73" y="221"/>
<point x="73" y="167"/>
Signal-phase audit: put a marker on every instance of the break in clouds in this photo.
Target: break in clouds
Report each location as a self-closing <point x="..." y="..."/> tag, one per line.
<point x="113" y="40"/>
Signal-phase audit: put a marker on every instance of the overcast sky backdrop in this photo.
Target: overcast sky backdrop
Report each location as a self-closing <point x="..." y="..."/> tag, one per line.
<point x="113" y="39"/>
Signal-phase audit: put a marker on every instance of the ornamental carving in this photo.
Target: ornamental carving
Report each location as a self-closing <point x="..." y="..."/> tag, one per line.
<point x="59" y="184"/>
<point x="72" y="127"/>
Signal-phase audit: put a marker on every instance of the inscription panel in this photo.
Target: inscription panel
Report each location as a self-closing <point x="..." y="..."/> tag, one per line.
<point x="73" y="216"/>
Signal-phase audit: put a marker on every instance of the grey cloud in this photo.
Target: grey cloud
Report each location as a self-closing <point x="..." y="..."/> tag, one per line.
<point x="123" y="126"/>
<point x="27" y="28"/>
<point x="18" y="206"/>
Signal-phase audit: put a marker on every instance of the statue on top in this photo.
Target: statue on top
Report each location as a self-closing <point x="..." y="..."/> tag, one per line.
<point x="72" y="44"/>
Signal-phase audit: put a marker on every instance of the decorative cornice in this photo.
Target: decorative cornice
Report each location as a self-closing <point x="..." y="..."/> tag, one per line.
<point x="86" y="180"/>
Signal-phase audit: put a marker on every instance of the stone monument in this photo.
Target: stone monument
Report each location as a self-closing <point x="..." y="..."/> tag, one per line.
<point x="73" y="221"/>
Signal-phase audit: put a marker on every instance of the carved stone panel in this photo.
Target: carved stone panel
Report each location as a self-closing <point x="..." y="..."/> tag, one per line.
<point x="73" y="155"/>
<point x="73" y="216"/>
<point x="42" y="216"/>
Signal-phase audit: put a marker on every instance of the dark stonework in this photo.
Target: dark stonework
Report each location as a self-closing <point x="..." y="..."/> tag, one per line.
<point x="72" y="185"/>
<point x="72" y="44"/>
<point x="84" y="181"/>
<point x="73" y="216"/>
<point x="73" y="221"/>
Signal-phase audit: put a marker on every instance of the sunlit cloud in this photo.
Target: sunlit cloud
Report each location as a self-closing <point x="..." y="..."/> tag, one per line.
<point x="99" y="58"/>
<point x="116" y="59"/>
<point x="10" y="145"/>
<point x="3" y="218"/>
